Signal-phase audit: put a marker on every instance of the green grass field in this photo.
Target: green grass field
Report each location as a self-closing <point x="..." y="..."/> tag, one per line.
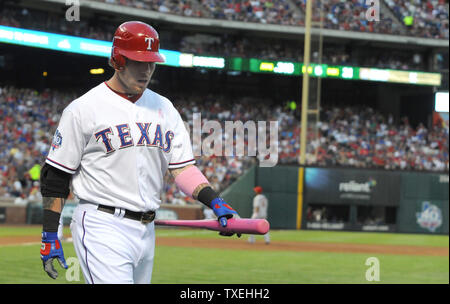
<point x="175" y="265"/>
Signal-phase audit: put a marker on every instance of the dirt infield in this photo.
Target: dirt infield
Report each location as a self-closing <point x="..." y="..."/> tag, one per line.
<point x="303" y="246"/>
<point x="19" y="240"/>
<point x="242" y="244"/>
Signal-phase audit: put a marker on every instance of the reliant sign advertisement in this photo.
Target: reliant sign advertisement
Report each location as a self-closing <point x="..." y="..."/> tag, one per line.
<point x="347" y="186"/>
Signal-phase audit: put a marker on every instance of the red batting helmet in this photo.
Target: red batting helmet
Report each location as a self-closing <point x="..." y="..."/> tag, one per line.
<point x="137" y="41"/>
<point x="258" y="189"/>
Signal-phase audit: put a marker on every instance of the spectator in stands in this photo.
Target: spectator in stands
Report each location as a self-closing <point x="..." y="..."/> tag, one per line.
<point x="428" y="19"/>
<point x="250" y="47"/>
<point x="347" y="136"/>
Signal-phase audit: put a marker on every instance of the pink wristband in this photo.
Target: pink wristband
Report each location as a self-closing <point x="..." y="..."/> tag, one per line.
<point x="189" y="179"/>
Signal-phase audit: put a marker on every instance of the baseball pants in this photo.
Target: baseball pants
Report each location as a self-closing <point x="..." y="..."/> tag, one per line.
<point x="112" y="249"/>
<point x="251" y="238"/>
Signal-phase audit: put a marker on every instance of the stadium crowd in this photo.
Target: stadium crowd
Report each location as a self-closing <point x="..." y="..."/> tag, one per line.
<point x="221" y="44"/>
<point x="353" y="137"/>
<point x="28" y="121"/>
<point x="365" y="138"/>
<point x="267" y="11"/>
<point x="350" y="16"/>
<point x="182" y="7"/>
<point x="427" y="19"/>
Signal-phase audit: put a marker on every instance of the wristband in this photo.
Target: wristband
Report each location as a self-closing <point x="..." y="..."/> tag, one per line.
<point x="50" y="221"/>
<point x="49" y="236"/>
<point x="207" y="195"/>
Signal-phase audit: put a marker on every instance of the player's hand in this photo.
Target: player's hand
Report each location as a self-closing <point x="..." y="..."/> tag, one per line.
<point x="224" y="212"/>
<point x="51" y="249"/>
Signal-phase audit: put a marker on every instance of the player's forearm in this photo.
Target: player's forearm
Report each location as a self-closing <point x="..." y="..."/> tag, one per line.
<point x="54" y="189"/>
<point x="52" y="211"/>
<point x="55" y="204"/>
<point x="193" y="183"/>
<point x="200" y="187"/>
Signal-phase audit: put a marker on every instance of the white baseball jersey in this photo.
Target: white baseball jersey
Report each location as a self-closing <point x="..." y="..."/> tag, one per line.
<point x="119" y="151"/>
<point x="260" y="205"/>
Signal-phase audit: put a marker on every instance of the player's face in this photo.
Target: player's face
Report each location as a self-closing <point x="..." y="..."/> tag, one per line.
<point x="136" y="76"/>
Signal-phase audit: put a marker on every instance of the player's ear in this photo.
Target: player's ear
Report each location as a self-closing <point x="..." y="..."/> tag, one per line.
<point x="114" y="65"/>
<point x="110" y="63"/>
<point x="125" y="63"/>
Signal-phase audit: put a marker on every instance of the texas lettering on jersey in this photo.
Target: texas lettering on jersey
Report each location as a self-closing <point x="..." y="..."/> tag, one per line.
<point x="94" y="146"/>
<point x="156" y="139"/>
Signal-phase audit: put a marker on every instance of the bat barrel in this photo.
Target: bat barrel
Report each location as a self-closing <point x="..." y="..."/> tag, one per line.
<point x="247" y="226"/>
<point x="242" y="226"/>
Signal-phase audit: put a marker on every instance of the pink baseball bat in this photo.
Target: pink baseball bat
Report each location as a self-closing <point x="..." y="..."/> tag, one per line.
<point x="239" y="225"/>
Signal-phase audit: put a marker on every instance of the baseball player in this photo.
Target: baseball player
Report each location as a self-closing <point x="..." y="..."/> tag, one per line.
<point x="260" y="205"/>
<point x="114" y="145"/>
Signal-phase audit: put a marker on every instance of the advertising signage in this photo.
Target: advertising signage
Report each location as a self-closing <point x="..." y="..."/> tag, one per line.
<point x="66" y="43"/>
<point x="347" y="186"/>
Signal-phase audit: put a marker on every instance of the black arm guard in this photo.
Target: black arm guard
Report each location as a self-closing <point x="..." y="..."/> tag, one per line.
<point x="50" y="222"/>
<point x="206" y="195"/>
<point x="54" y="182"/>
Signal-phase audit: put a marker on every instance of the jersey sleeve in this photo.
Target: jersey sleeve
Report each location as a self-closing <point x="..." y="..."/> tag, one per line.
<point x="68" y="144"/>
<point x="182" y="149"/>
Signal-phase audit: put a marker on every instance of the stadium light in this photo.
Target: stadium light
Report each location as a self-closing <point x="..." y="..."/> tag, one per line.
<point x="333" y="71"/>
<point x="284" y="68"/>
<point x="266" y="66"/>
<point x="208" y="62"/>
<point x="441" y="102"/>
<point x="97" y="71"/>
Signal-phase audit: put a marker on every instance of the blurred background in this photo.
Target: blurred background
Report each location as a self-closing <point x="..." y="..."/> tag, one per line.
<point x="376" y="156"/>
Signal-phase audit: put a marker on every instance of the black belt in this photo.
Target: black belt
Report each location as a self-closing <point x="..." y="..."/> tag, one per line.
<point x="143" y="217"/>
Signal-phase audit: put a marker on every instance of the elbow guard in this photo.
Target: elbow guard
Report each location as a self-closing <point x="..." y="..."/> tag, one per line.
<point x="54" y="182"/>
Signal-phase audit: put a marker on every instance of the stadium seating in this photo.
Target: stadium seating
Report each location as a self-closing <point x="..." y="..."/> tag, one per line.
<point x="218" y="44"/>
<point x="345" y="137"/>
<point x="423" y="18"/>
<point x="429" y="18"/>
